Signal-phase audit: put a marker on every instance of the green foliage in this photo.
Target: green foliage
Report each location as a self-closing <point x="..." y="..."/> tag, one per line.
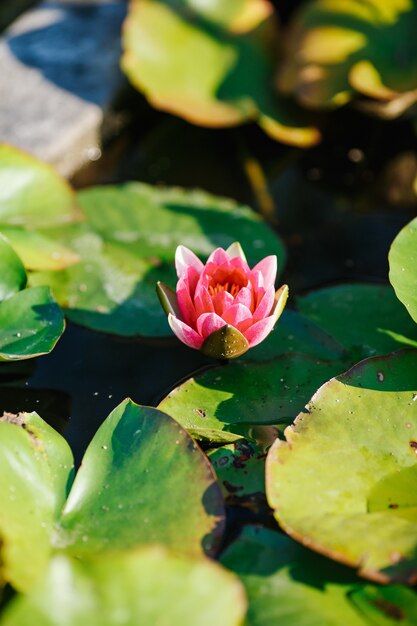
<point x="112" y="503"/>
<point x="403" y="267"/>
<point x="343" y="482"/>
<point x="146" y="586"/>
<point x="337" y="49"/>
<point x="211" y="63"/>
<point x="225" y="404"/>
<point x="30" y="320"/>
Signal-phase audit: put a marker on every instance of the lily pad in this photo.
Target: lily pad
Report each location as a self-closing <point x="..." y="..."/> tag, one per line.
<point x="32" y="194"/>
<point x="288" y="584"/>
<point x="31" y="323"/>
<point x="211" y="63"/>
<point x="344" y="480"/>
<point x="229" y="402"/>
<point x="365" y="319"/>
<point x="37" y="251"/>
<point x="147" y="586"/>
<point x="403" y="267"/>
<point x="134" y="488"/>
<point x="336" y="50"/>
<point x="35" y="467"/>
<point x="296" y="333"/>
<point x="129" y="244"/>
<point x="386" y="606"/>
<point x="12" y="273"/>
<point x="240" y="469"/>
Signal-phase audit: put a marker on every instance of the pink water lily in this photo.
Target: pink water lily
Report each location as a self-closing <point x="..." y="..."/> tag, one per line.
<point x="223" y="307"/>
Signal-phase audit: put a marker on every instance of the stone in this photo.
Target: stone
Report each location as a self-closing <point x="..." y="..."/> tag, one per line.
<point x="60" y="73"/>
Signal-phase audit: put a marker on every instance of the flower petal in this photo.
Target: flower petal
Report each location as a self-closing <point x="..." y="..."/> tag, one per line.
<point x="185" y="303"/>
<point x="257" y="332"/>
<point x="218" y="256"/>
<point x="268" y="268"/>
<point x="235" y="250"/>
<point x="184" y="258"/>
<point x="208" y="323"/>
<point x="237" y="314"/>
<point x="202" y="300"/>
<point x="280" y="301"/>
<point x="222" y="301"/>
<point x="245" y="297"/>
<point x="265" y="305"/>
<point x="184" y="333"/>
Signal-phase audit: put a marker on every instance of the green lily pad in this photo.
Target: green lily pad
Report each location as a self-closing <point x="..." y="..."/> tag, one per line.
<point x="386" y="606"/>
<point x="365" y="319"/>
<point x="31" y="323"/>
<point x="403" y="267"/>
<point x="128" y="245"/>
<point x="335" y="50"/>
<point x="296" y="333"/>
<point x="12" y="273"/>
<point x="344" y="480"/>
<point x="228" y="403"/>
<point x="31" y="193"/>
<point x="134" y="487"/>
<point x="37" y="251"/>
<point x="289" y="585"/>
<point x="211" y="63"/>
<point x="148" y="586"/>
<point x="35" y="467"/>
<point x="240" y="469"/>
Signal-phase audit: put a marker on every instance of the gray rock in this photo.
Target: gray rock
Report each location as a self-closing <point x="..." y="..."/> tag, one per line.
<point x="60" y="72"/>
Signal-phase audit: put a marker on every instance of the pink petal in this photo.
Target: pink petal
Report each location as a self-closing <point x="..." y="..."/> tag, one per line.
<point x="184" y="333"/>
<point x="257" y="281"/>
<point x="268" y="269"/>
<point x="185" y="303"/>
<point x="222" y="301"/>
<point x="184" y="258"/>
<point x="219" y="256"/>
<point x="208" y="323"/>
<point x="240" y="264"/>
<point x="237" y="314"/>
<point x="202" y="301"/>
<point x="245" y="297"/>
<point x="265" y="305"/>
<point x="257" y="332"/>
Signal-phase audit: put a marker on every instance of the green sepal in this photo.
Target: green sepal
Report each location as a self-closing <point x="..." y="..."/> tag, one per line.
<point x="225" y="343"/>
<point x="168" y="299"/>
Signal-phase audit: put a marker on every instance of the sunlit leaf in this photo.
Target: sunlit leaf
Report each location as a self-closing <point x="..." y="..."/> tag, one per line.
<point x="344" y="480"/>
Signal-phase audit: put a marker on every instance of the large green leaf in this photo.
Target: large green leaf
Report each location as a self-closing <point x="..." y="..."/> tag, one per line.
<point x="387" y="605"/>
<point x="31" y="323"/>
<point x="35" y="468"/>
<point x="129" y="244"/>
<point x="344" y="481"/>
<point x="231" y="401"/>
<point x="296" y="333"/>
<point x="365" y="319"/>
<point x="31" y="193"/>
<point x="134" y="487"/>
<point x="288" y="585"/>
<point x="403" y="267"/>
<point x="336" y="48"/>
<point x="37" y="251"/>
<point x="147" y="587"/>
<point x="211" y="63"/>
<point x="12" y="272"/>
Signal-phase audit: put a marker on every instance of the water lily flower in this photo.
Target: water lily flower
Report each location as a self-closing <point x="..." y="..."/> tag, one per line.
<point x="223" y="308"/>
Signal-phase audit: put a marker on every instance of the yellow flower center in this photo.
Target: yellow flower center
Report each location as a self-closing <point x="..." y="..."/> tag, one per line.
<point x="232" y="288"/>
